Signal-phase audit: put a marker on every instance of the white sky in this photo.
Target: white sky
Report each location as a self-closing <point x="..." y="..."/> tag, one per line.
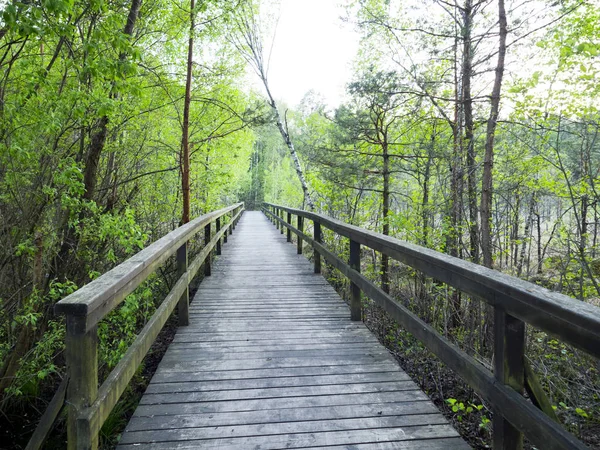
<point x="313" y="49"/>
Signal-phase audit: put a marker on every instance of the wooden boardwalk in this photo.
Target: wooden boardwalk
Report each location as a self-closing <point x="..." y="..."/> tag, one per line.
<point x="271" y="360"/>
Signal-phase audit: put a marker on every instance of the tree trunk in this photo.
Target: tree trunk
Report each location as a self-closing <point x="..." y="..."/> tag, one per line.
<point x="488" y="161"/>
<point x="539" y="242"/>
<point x="456" y="167"/>
<point x="99" y="137"/>
<point x="425" y="199"/>
<point x="290" y="145"/>
<point x="528" y="223"/>
<point x="584" y="226"/>
<point x="385" y="263"/>
<point x="185" y="146"/>
<point x="467" y="103"/>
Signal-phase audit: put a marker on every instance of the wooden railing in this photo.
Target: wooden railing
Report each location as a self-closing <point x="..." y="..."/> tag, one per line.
<point x="89" y="406"/>
<point x="515" y="303"/>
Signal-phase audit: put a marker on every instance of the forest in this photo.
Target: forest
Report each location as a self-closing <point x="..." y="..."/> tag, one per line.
<point x="470" y="127"/>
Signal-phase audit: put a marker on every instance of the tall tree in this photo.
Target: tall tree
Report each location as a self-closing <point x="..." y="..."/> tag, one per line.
<point x="185" y="128"/>
<point x="488" y="161"/>
<point x="371" y="119"/>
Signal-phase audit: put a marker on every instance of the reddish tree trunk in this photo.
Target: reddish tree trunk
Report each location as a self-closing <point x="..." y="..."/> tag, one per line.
<point x="185" y="145"/>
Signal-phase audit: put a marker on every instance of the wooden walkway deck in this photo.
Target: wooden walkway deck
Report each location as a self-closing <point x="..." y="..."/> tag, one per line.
<point x="271" y="360"/>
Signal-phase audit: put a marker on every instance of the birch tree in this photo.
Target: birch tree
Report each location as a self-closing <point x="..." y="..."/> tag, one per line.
<point x="248" y="40"/>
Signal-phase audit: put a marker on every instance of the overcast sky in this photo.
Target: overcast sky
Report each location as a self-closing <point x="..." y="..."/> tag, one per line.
<point x="313" y="49"/>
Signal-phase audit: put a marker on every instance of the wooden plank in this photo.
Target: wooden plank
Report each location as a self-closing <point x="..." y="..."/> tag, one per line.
<point x="82" y="368"/>
<point x="207" y="270"/>
<point x="184" y="301"/>
<point x="165" y="376"/>
<point x="409" y="423"/>
<point x="316" y="439"/>
<point x="270" y="404"/>
<point x="430" y="444"/>
<point x="279" y="382"/>
<point x="509" y="356"/>
<point x="141" y="423"/>
<point x="270" y="346"/>
<point x="185" y="356"/>
<point x="275" y="392"/>
<point x="355" y="303"/>
<point x="266" y="362"/>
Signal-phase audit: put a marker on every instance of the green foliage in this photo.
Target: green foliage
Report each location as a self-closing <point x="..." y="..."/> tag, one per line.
<point x="119" y="329"/>
<point x="461" y="410"/>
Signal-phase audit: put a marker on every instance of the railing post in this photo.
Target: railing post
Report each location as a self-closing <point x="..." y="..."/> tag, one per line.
<point x="82" y="370"/>
<point x="277" y="215"/>
<point x="509" y="351"/>
<point x="355" y="306"/>
<point x="317" y="238"/>
<point x="289" y="232"/>
<point x="301" y="229"/>
<point x="184" y="302"/>
<point x="206" y="242"/>
<point x="232" y="221"/>
<point x="216" y="231"/>
<point x="282" y="226"/>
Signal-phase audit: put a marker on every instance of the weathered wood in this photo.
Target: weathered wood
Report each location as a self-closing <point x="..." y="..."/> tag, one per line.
<point x="377" y="444"/>
<point x="300" y="227"/>
<point x="217" y="229"/>
<point x="142" y="423"/>
<point x="318" y="238"/>
<point x="573" y="321"/>
<point x="415" y="425"/>
<point x="348" y="438"/>
<point x="47" y="420"/>
<point x="274" y="382"/>
<point x="207" y="270"/>
<point x="184" y="301"/>
<point x="355" y="304"/>
<point x="273" y="404"/>
<point x="289" y="232"/>
<point x="82" y="369"/>
<point x="97" y="298"/>
<point x="509" y="351"/>
<point x="521" y="414"/>
<point x="536" y="393"/>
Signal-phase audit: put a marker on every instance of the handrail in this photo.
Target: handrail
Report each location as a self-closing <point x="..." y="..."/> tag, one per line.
<point x="89" y="406"/>
<point x="515" y="301"/>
